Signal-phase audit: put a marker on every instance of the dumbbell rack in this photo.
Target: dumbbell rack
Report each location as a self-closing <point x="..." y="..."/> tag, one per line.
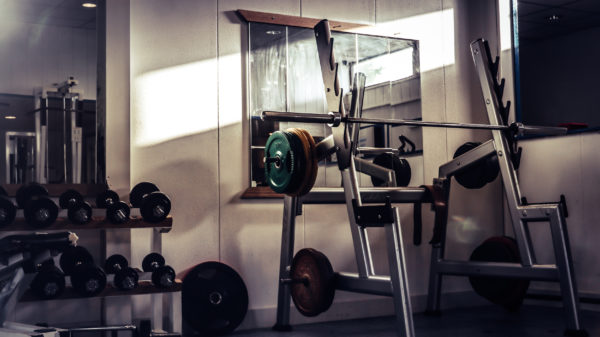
<point x="98" y="222"/>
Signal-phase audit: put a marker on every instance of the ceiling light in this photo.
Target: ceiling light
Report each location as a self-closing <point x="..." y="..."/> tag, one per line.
<point x="553" y="18"/>
<point x="88" y="5"/>
<point x="10" y="117"/>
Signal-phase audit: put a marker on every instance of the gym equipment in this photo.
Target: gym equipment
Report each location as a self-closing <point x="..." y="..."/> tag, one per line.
<point x="507" y="292"/>
<point x="503" y="145"/>
<point x="479" y="173"/>
<point x="117" y="212"/>
<point x="163" y="276"/>
<point x="87" y="279"/>
<point x="79" y="211"/>
<point x="126" y="278"/>
<point x="214" y="299"/>
<point x="49" y="282"/>
<point x="40" y="211"/>
<point x="400" y="166"/>
<point x="8" y="210"/>
<point x="312" y="282"/>
<point x="154" y="205"/>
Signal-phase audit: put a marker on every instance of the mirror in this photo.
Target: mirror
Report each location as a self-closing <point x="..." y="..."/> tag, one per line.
<point x="285" y="75"/>
<point x="48" y="85"/>
<point x="556" y="62"/>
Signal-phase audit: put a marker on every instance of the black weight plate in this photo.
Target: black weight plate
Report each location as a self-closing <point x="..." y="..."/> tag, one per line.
<point x="48" y="283"/>
<point x="492" y="168"/>
<point x="40" y="212"/>
<point x="139" y="191"/>
<point x="155" y="207"/>
<point x="74" y="256"/>
<point x="214" y="299"/>
<point x="80" y="213"/>
<point x="8" y="211"/>
<point x="316" y="294"/>
<point x="88" y="280"/>
<point x="508" y="292"/>
<point x="106" y="198"/>
<point x="69" y="198"/>
<point x="401" y="169"/>
<point x="163" y="277"/>
<point x="474" y="176"/>
<point x="3" y="192"/>
<point x="26" y="192"/>
<point x="113" y="261"/>
<point x="118" y="213"/>
<point x="152" y="261"/>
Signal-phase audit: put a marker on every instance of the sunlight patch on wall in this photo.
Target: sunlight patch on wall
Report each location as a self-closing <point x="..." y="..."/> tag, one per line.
<point x="505" y="15"/>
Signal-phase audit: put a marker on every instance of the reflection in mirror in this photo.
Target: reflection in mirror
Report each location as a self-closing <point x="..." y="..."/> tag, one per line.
<point x="48" y="80"/>
<point x="285" y="75"/>
<point x="556" y="54"/>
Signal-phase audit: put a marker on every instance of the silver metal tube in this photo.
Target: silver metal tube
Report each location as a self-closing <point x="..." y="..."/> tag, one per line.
<point x="300" y="117"/>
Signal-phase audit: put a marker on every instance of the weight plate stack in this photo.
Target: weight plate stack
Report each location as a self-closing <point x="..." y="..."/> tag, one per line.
<point x="279" y="174"/>
<point x="214" y="299"/>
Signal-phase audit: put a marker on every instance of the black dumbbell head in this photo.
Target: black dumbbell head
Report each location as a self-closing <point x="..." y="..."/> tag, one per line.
<point x="88" y="280"/>
<point x="152" y="262"/>
<point x="69" y="198"/>
<point x="40" y="212"/>
<point x="118" y="213"/>
<point x="139" y="191"/>
<point x="26" y="192"/>
<point x="155" y="207"/>
<point x="48" y="283"/>
<point x="74" y="256"/>
<point x="163" y="277"/>
<point x="8" y="211"/>
<point x="114" y="263"/>
<point x="106" y="198"/>
<point x="126" y="279"/>
<point x="80" y="213"/>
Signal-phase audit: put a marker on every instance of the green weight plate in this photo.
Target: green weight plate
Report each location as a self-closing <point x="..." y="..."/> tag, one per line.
<point x="279" y="175"/>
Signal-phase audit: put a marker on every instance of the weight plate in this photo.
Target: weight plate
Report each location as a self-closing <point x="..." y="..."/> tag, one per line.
<point x="314" y="295"/>
<point x="155" y="207"/>
<point x="279" y="174"/>
<point x="492" y="168"/>
<point x="88" y="280"/>
<point x="69" y="198"/>
<point x="111" y="263"/>
<point x="74" y="256"/>
<point x="8" y="211"/>
<point x="314" y="163"/>
<point x="106" y="198"/>
<point x="80" y="213"/>
<point x="299" y="163"/>
<point x="152" y="261"/>
<point x="508" y="292"/>
<point x="26" y="192"/>
<point x="139" y="191"/>
<point x="473" y="177"/>
<point x="214" y="299"/>
<point x="40" y="212"/>
<point x="304" y="170"/>
<point x="48" y="283"/>
<point x="401" y="169"/>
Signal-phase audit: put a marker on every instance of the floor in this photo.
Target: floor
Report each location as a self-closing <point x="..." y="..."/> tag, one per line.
<point x="488" y="321"/>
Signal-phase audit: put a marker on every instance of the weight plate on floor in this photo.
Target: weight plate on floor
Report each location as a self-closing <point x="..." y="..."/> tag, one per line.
<point x="69" y="197"/>
<point x="136" y="196"/>
<point x="401" y="169"/>
<point x="26" y="192"/>
<point x="279" y="174"/>
<point x="508" y="292"/>
<point x="314" y="289"/>
<point x="214" y="299"/>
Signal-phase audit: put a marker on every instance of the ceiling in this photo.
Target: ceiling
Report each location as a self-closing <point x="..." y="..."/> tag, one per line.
<point x="541" y="19"/>
<point x="63" y="13"/>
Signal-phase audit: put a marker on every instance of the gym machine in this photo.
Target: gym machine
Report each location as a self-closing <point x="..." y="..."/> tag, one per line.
<point x="290" y="168"/>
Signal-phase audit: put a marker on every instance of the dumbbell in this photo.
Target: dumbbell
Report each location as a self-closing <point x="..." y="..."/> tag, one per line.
<point x="117" y="211"/>
<point x="87" y="279"/>
<point x="40" y="211"/>
<point x="163" y="276"/>
<point x="80" y="212"/>
<point x="49" y="282"/>
<point x="8" y="210"/>
<point x="126" y="278"/>
<point x="154" y="205"/>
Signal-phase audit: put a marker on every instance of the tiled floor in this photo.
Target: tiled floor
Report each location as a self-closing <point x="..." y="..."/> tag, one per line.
<point x="489" y="321"/>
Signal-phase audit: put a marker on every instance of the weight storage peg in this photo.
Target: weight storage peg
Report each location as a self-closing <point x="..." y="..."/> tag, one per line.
<point x="49" y="282"/>
<point x="8" y="210"/>
<point x="87" y="278"/>
<point x="79" y="211"/>
<point x="117" y="212"/>
<point x="163" y="276"/>
<point x="154" y="205"/>
<point x="39" y="210"/>
<point x="126" y="278"/>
